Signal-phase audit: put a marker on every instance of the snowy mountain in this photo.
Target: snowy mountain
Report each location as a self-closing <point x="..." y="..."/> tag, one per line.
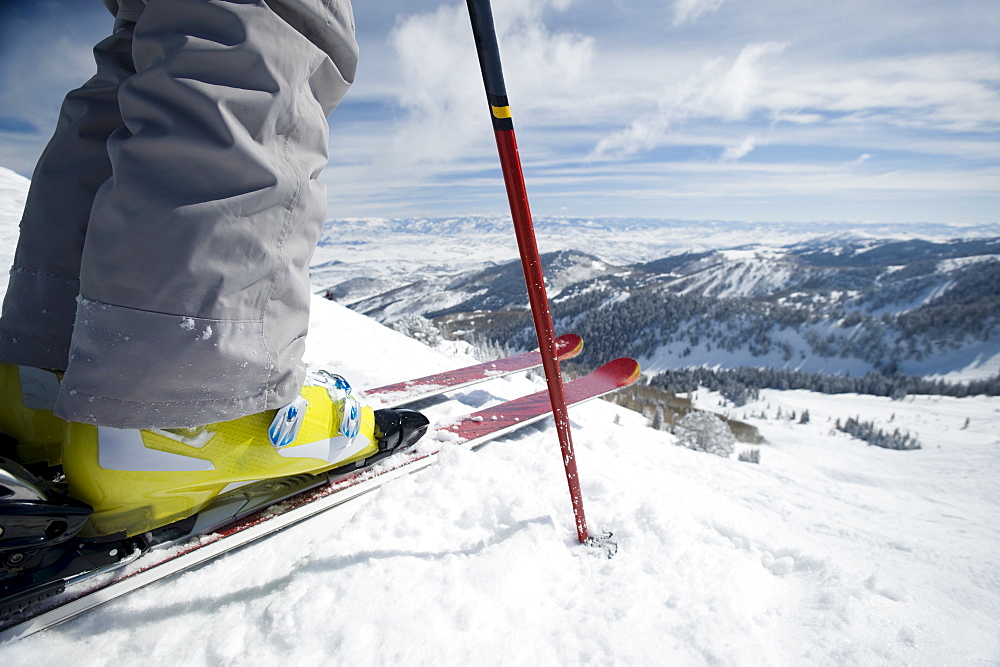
<point x="826" y="552"/>
<point x="652" y="233"/>
<point x="402" y="251"/>
<point x="831" y="305"/>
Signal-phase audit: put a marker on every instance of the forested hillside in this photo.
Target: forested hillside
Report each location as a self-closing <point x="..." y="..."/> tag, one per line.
<point x="838" y="307"/>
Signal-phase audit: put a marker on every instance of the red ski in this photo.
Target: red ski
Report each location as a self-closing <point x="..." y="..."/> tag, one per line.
<point x="409" y="391"/>
<point x="494" y="422"/>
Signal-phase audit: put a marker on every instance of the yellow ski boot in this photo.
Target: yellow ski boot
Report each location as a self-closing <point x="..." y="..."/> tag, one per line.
<point x="137" y="481"/>
<point x="27" y="396"/>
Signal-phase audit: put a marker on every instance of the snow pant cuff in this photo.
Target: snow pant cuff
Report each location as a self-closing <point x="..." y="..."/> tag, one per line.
<point x="32" y="334"/>
<point x="131" y="368"/>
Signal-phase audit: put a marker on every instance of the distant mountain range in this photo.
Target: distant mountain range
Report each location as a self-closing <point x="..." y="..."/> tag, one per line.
<point x="832" y="303"/>
<point x="544" y="225"/>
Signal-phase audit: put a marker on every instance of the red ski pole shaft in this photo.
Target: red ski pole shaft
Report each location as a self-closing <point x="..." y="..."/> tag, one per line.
<point x="503" y="127"/>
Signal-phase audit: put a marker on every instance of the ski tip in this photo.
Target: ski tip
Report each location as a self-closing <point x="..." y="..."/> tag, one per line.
<point x="624" y="368"/>
<point x="568" y="346"/>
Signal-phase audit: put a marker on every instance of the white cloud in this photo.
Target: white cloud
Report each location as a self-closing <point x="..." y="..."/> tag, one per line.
<point x="689" y="11"/>
<point x="743" y="87"/>
<point x="771" y="83"/>
<point x="858" y="161"/>
<point x="712" y="92"/>
<point x="644" y="133"/>
<point x="950" y="91"/>
<point x="441" y="86"/>
<point x="740" y="150"/>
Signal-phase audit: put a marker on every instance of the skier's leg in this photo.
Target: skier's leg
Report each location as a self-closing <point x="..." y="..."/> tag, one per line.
<point x="194" y="285"/>
<point x="194" y="280"/>
<point x="40" y="304"/>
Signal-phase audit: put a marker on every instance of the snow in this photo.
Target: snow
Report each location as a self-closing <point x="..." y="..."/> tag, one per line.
<point x="959" y="262"/>
<point x="985" y="364"/>
<point x="13" y="192"/>
<point x="739" y="276"/>
<point x="827" y="552"/>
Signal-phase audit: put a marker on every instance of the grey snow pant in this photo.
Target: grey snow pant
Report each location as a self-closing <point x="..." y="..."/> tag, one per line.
<point x="165" y="245"/>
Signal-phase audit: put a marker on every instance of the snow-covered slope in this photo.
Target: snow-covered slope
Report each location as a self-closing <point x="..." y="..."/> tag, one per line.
<point x="13" y="191"/>
<point x="849" y="303"/>
<point x="828" y="552"/>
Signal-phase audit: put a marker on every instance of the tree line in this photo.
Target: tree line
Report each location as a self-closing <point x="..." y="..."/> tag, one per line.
<point x="742" y="385"/>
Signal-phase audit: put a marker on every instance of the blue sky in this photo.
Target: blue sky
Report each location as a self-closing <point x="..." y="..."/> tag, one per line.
<point x="777" y="110"/>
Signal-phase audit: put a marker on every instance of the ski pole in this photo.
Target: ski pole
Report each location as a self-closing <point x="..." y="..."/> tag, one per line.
<point x="503" y="127"/>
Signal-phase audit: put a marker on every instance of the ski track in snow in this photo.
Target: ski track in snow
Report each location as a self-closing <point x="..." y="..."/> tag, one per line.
<point x="828" y="552"/>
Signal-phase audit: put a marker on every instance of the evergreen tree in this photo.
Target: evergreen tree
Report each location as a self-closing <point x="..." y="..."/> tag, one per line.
<point x="704" y="431"/>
